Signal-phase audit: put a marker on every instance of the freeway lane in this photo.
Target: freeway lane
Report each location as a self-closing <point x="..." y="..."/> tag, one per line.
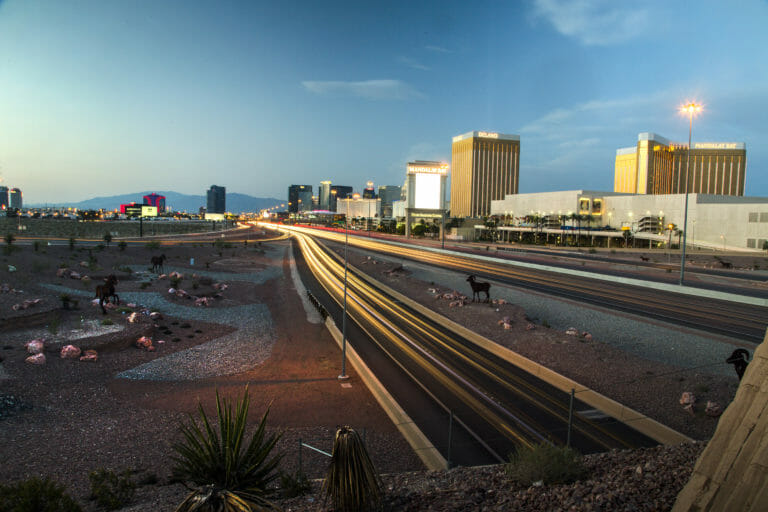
<point x="743" y="321"/>
<point x="502" y="405"/>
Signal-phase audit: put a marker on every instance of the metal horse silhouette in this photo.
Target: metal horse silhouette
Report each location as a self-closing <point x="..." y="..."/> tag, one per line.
<point x="157" y="263"/>
<point x="107" y="290"/>
<point x="739" y="359"/>
<point x="478" y="287"/>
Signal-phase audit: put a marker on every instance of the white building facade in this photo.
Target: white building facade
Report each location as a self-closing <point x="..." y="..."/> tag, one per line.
<point x="714" y="221"/>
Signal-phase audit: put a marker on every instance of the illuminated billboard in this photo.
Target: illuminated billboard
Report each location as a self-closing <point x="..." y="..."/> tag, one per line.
<point x="427" y="193"/>
<point x="426" y="185"/>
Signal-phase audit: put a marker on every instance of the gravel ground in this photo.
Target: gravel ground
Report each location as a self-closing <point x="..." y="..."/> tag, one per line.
<point x="654" y="341"/>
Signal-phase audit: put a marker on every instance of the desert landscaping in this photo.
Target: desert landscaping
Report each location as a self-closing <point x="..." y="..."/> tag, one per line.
<point x="82" y="391"/>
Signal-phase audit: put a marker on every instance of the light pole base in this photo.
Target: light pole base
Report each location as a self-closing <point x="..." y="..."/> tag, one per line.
<point x="343" y="377"/>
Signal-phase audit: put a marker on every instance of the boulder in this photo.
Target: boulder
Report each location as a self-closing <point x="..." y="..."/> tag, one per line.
<point x="156" y="315"/>
<point x="63" y="272"/>
<point x="70" y="352"/>
<point x="90" y="356"/>
<point x="687" y="398"/>
<point x="145" y="342"/>
<point x="133" y="318"/>
<point x="36" y="359"/>
<point x="35" y="346"/>
<point x="713" y="409"/>
<point x="74" y="275"/>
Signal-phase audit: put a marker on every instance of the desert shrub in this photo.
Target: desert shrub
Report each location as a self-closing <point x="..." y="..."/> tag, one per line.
<point x="352" y="482"/>
<point x="229" y="473"/>
<point x="195" y="285"/>
<point x="108" y="238"/>
<point x="175" y="281"/>
<point x="154" y="244"/>
<point x="125" y="268"/>
<point x="206" y="281"/>
<point x="36" y="495"/>
<point x="544" y="323"/>
<point x="294" y="484"/>
<point x="121" y="245"/>
<point x="107" y="321"/>
<point x="592" y="250"/>
<point x="72" y="243"/>
<point x="36" y="245"/>
<point x="145" y="284"/>
<point x="100" y="247"/>
<point x="65" y="300"/>
<point x="110" y="490"/>
<point x="547" y="464"/>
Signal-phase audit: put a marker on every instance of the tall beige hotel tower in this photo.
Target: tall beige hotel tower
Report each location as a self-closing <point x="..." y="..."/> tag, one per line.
<point x="657" y="166"/>
<point x="484" y="166"/>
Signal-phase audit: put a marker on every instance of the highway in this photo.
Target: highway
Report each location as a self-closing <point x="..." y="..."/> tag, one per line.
<point x="737" y="320"/>
<point x="495" y="405"/>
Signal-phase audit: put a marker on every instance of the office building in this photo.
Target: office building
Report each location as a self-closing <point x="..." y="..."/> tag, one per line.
<point x="324" y="195"/>
<point x="658" y="166"/>
<point x="369" y="192"/>
<point x="217" y="199"/>
<point x="155" y="200"/>
<point x="14" y="199"/>
<point x="299" y="198"/>
<point x="485" y="167"/>
<point x="3" y="198"/>
<point x="388" y="194"/>
<point x="338" y="192"/>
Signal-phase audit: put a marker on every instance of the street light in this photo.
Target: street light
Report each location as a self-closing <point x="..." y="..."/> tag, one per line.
<point x="690" y="109"/>
<point x="344" y="375"/>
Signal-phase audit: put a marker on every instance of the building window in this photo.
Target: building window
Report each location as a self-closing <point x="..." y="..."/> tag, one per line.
<point x="763" y="216"/>
<point x="752" y="216"/>
<point x="751" y="243"/>
<point x="760" y="243"/>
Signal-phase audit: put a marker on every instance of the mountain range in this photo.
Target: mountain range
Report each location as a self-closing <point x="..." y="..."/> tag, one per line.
<point x="236" y="203"/>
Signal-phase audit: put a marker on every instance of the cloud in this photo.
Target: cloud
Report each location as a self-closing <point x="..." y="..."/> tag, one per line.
<point x="369" y="89"/>
<point x="594" y="22"/>
<point x="438" y="49"/>
<point x="412" y="63"/>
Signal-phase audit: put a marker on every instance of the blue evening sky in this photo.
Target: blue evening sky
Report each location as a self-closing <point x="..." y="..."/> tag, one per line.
<point x="104" y="97"/>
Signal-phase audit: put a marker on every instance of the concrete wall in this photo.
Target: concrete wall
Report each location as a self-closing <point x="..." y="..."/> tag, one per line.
<point x="732" y="472"/>
<point x="96" y="230"/>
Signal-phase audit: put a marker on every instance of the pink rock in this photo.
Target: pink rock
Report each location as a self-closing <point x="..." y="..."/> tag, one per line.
<point x="507" y="327"/>
<point x="171" y="290"/>
<point x="145" y="342"/>
<point x="36" y="359"/>
<point x="84" y="264"/>
<point x="713" y="409"/>
<point x="70" y="352"/>
<point x="35" y="346"/>
<point x="162" y="276"/>
<point x="90" y="356"/>
<point x="63" y="272"/>
<point x="588" y="337"/>
<point x="156" y="315"/>
<point x="131" y="305"/>
<point x="133" y="318"/>
<point x="687" y="398"/>
<point x="571" y="331"/>
<point x="530" y="327"/>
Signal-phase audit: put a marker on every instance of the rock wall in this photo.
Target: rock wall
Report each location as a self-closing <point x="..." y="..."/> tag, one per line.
<point x="732" y="472"/>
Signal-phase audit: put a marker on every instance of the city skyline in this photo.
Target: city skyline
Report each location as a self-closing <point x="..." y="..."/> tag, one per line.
<point x="257" y="97"/>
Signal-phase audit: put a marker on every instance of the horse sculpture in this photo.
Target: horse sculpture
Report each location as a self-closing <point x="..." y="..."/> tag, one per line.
<point x="478" y="287"/>
<point x="157" y="263"/>
<point x="739" y="359"/>
<point x="107" y="290"/>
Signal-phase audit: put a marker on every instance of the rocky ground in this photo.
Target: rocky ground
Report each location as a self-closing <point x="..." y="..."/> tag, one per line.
<point x="66" y="418"/>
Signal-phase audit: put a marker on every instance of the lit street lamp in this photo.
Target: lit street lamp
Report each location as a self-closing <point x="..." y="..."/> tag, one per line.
<point x="690" y="109"/>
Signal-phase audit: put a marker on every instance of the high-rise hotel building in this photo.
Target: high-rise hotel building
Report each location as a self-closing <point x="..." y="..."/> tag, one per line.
<point x="485" y="167"/>
<point x="658" y="166"/>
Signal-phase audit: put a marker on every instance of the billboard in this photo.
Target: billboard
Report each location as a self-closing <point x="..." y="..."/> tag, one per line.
<point x="427" y="193"/>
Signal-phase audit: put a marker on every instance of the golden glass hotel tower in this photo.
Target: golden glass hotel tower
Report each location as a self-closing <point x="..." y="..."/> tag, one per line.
<point x="485" y="166"/>
<point x="658" y="166"/>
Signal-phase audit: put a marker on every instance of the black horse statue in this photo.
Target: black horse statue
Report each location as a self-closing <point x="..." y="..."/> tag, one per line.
<point x="157" y="263"/>
<point x="107" y="290"/>
<point x="478" y="287"/>
<point x="739" y="359"/>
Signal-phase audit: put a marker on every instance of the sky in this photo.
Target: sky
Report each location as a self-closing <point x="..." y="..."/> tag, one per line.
<point x="99" y="98"/>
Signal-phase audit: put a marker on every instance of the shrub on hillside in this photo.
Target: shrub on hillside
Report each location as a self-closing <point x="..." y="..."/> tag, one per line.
<point x="36" y="495"/>
<point x="545" y="463"/>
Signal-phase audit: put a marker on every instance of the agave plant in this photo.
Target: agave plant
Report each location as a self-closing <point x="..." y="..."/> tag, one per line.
<point x="352" y="482"/>
<point x="227" y="475"/>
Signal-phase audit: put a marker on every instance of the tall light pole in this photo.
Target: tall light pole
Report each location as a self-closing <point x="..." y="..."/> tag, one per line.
<point x="344" y="375"/>
<point x="690" y="109"/>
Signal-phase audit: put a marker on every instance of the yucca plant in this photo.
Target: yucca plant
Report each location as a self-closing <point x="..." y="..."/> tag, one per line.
<point x="352" y="482"/>
<point x="227" y="475"/>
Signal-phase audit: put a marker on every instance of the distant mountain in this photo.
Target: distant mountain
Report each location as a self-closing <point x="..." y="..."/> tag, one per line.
<point x="236" y="203"/>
